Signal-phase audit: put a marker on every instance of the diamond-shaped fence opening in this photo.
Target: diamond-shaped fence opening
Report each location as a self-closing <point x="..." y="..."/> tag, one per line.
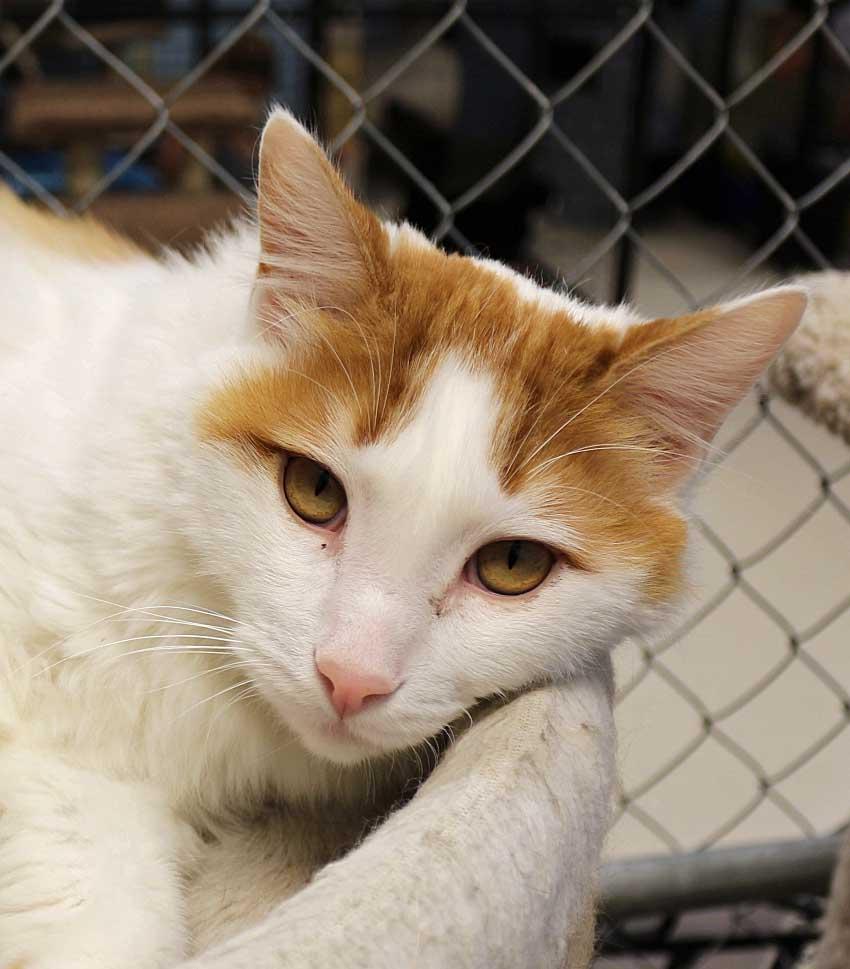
<point x="671" y="153"/>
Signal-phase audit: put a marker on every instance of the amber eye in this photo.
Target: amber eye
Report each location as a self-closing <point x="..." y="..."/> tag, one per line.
<point x="313" y="493"/>
<point x="513" y="567"/>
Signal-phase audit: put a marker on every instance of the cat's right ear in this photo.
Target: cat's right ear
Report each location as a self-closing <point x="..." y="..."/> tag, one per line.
<point x="318" y="243"/>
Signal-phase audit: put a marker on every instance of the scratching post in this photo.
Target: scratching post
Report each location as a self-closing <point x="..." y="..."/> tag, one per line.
<point x="813" y="370"/>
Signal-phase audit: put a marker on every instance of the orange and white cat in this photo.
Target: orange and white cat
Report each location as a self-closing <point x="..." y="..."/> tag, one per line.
<point x="276" y="512"/>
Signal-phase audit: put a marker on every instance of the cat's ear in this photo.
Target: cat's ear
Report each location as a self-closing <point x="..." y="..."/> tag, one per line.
<point x="687" y="373"/>
<point x="317" y="242"/>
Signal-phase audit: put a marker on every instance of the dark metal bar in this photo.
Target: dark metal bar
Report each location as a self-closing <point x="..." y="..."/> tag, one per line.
<point x="203" y="23"/>
<point x="635" y="144"/>
<point x="692" y="948"/>
<point x="729" y="16"/>
<point x="810" y="117"/>
<point x="320" y="12"/>
<point x="762" y="872"/>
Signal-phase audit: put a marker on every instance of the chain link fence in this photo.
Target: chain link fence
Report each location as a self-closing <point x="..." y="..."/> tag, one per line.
<point x="582" y="142"/>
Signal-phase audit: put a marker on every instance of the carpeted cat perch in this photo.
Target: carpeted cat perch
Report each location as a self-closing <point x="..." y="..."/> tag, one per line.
<point x="491" y="865"/>
<point x="813" y="370"/>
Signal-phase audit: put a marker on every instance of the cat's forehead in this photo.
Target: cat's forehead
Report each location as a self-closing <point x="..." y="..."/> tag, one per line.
<point x="448" y="366"/>
<point x="435" y="472"/>
<point x="405" y="244"/>
<point x="431" y="332"/>
<point x="543" y="352"/>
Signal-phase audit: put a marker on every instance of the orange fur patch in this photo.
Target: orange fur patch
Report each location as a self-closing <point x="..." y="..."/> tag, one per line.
<point x="76" y="237"/>
<point x="373" y="361"/>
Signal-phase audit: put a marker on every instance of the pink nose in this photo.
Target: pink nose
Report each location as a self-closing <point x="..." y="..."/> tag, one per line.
<point x="350" y="689"/>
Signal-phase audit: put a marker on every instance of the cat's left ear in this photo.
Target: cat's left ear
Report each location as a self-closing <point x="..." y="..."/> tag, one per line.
<point x="318" y="244"/>
<point x="684" y="375"/>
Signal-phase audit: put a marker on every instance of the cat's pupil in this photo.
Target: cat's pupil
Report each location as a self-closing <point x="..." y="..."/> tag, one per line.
<point x="321" y="482"/>
<point x="513" y="554"/>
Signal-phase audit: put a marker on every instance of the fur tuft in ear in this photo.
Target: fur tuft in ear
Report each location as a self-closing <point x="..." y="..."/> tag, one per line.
<point x="315" y="237"/>
<point x="686" y="374"/>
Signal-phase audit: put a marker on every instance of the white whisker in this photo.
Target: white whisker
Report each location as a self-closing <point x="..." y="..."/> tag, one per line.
<point x="525" y="437"/>
<point x="332" y="348"/>
<point x="200" y="703"/>
<point x="249" y="692"/>
<point x="171" y="621"/>
<point x="590" y="403"/>
<point x="390" y="369"/>
<point x="113" y="617"/>
<point x="595" y="494"/>
<point x="374" y="359"/>
<point x="569" y="420"/>
<point x="316" y="383"/>
<point x="136" y="639"/>
<point x="188" y="650"/>
<point x="196" y="676"/>
<point x="175" y="608"/>
<point x="610" y="447"/>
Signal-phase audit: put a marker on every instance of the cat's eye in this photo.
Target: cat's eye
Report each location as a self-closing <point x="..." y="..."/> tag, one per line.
<point x="513" y="567"/>
<point x="313" y="493"/>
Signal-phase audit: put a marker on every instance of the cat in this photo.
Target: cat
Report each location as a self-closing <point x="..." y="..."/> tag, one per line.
<point x="277" y="513"/>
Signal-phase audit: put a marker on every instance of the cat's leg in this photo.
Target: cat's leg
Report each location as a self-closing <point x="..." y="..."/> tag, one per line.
<point x="242" y="875"/>
<point x="249" y="868"/>
<point x="90" y="869"/>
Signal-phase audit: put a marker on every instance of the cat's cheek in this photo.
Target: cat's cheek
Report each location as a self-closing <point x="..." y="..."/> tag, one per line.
<point x="330" y="542"/>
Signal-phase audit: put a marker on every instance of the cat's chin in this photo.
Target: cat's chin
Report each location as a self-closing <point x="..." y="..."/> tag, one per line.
<point x="335" y="741"/>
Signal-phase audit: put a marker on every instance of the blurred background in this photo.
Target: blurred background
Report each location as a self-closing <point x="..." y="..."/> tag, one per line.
<point x="670" y="153"/>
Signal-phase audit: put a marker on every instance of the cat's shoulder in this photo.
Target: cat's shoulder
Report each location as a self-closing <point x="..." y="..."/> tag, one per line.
<point x="38" y="231"/>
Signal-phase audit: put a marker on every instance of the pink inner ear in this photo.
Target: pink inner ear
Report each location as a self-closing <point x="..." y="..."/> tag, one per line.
<point x="687" y="382"/>
<point x="311" y="253"/>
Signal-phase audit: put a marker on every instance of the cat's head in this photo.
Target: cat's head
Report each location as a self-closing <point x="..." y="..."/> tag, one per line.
<point x="431" y="480"/>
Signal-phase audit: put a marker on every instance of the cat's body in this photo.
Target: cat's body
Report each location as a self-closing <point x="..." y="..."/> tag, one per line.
<point x="144" y="541"/>
<point x="69" y="435"/>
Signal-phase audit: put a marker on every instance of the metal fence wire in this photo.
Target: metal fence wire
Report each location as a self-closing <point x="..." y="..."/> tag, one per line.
<point x="585" y="127"/>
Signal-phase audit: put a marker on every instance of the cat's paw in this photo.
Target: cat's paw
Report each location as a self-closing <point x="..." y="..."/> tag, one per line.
<point x="90" y="869"/>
